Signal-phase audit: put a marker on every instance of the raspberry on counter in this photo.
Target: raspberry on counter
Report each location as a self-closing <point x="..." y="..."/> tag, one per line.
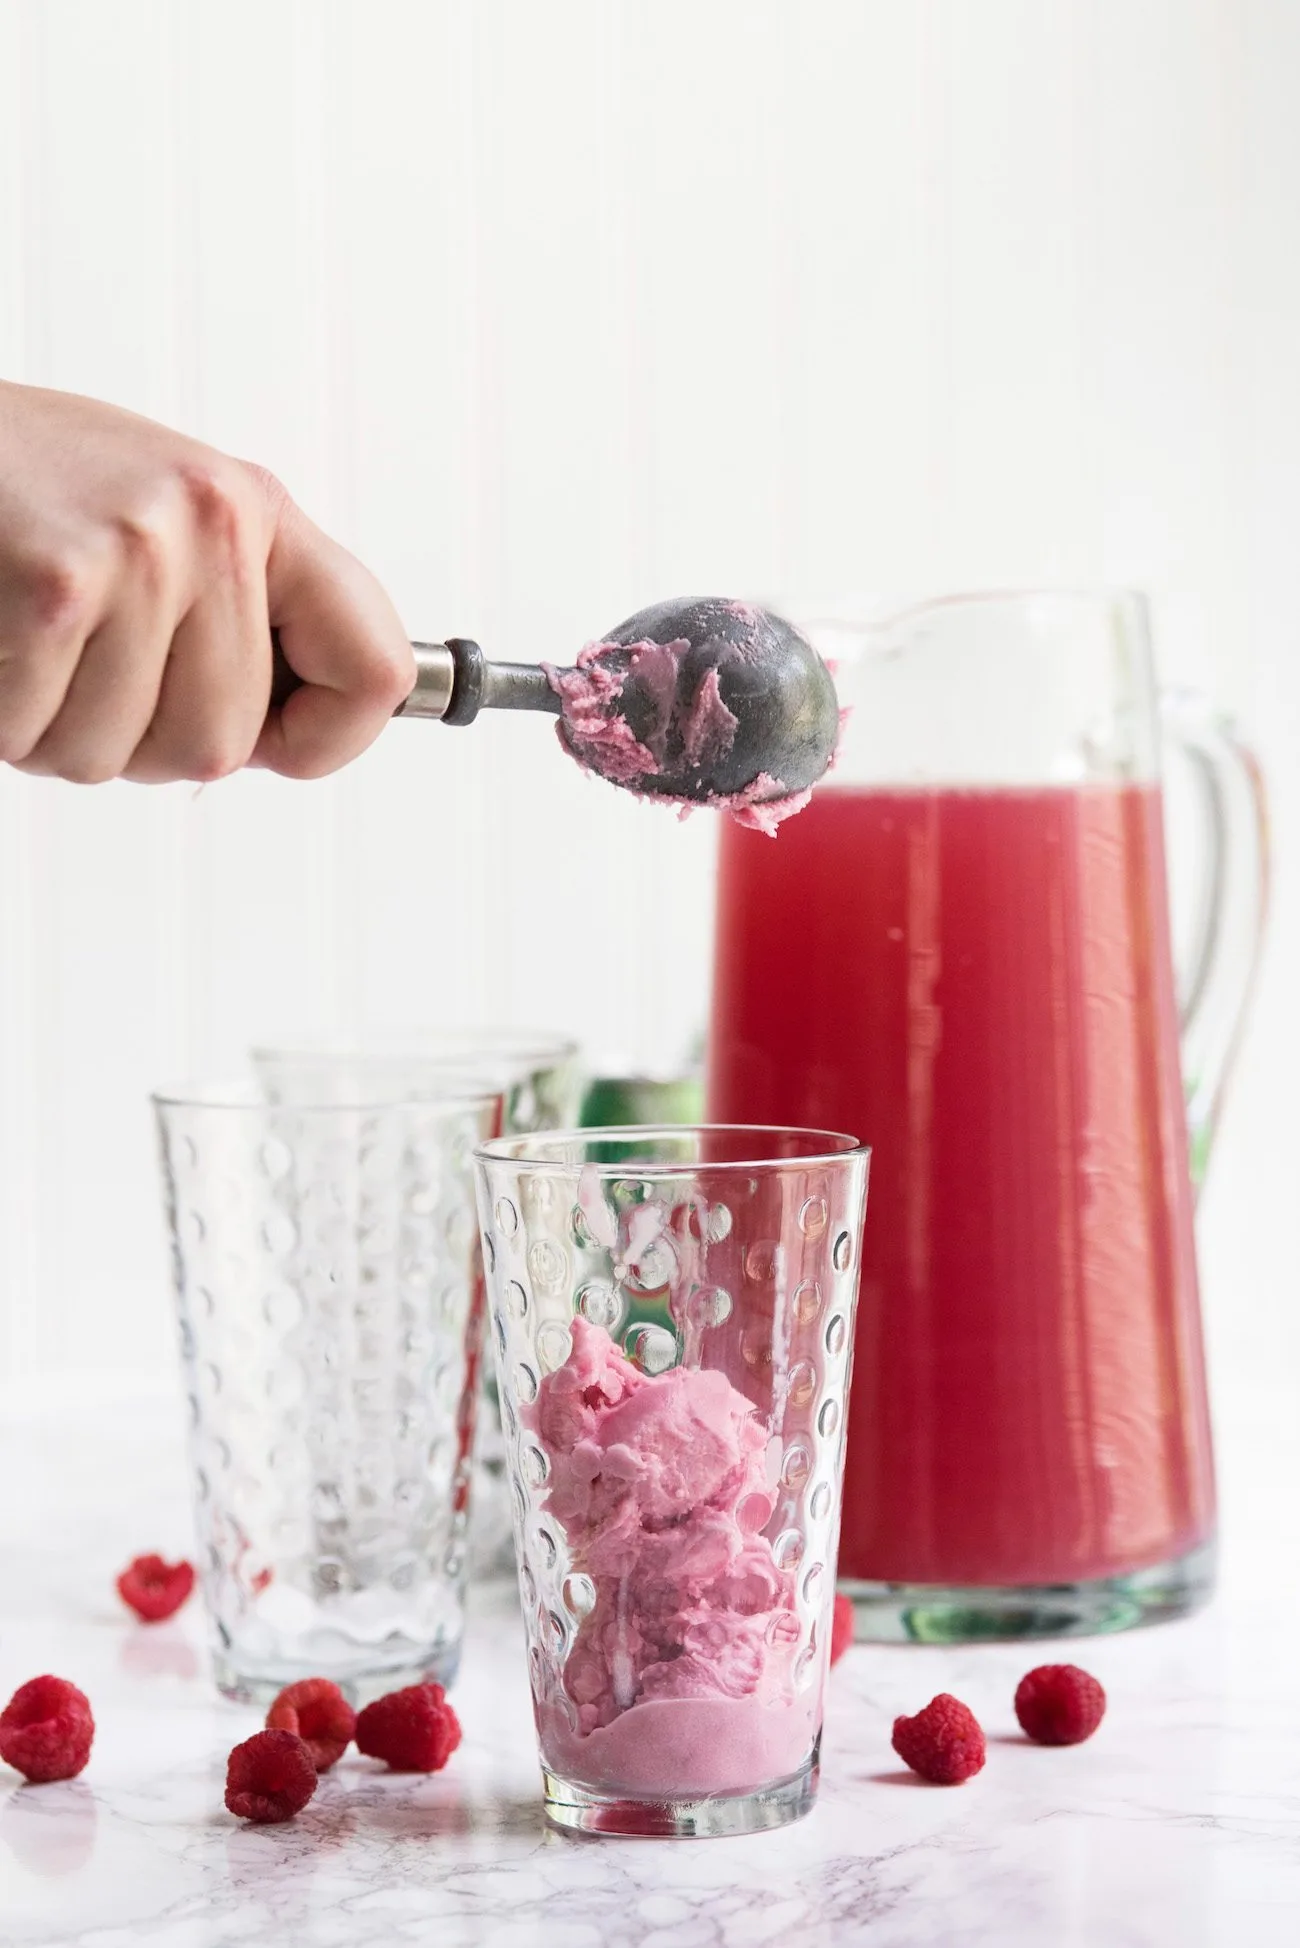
<point x="46" y="1730"/>
<point x="269" y="1778"/>
<point x="316" y="1710"/>
<point x="944" y="1743"/>
<point x="414" y="1730"/>
<point x="155" y="1589"/>
<point x="1059" y="1704"/>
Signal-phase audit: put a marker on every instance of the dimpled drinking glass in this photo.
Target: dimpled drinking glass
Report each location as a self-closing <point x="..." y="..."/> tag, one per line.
<point x="329" y="1285"/>
<point x="536" y="1071"/>
<point x="537" y="1074"/>
<point x="672" y="1318"/>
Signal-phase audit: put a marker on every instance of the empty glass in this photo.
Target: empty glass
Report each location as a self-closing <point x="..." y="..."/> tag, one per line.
<point x="329" y="1284"/>
<point x="672" y="1316"/>
<point x="537" y="1074"/>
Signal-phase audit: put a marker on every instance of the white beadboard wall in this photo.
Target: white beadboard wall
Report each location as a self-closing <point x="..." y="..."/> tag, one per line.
<point x="549" y="311"/>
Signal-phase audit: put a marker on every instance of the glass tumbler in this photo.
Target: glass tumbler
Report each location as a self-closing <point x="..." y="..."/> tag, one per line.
<point x="537" y="1073"/>
<point x="329" y="1284"/>
<point x="672" y="1314"/>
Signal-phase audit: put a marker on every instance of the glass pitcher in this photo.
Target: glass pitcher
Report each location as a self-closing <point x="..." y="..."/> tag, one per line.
<point x="961" y="953"/>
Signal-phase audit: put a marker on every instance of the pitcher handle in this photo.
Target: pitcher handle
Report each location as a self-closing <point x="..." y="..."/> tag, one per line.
<point x="1231" y="912"/>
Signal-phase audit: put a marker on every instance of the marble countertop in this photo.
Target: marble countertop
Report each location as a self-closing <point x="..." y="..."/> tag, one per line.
<point x="1178" y="1824"/>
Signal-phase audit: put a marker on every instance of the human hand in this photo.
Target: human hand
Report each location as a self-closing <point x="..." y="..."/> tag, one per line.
<point x="141" y="573"/>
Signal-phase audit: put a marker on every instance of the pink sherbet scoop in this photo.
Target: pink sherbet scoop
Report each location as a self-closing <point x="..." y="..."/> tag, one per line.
<point x="703" y="702"/>
<point x="660" y="1485"/>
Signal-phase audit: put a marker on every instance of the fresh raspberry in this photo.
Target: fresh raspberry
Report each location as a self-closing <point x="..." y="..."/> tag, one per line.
<point x="944" y="1743"/>
<point x="46" y="1729"/>
<point x="155" y="1589"/>
<point x="414" y="1730"/>
<point x="269" y="1778"/>
<point x="321" y="1716"/>
<point x="1058" y="1704"/>
<point x="841" y="1628"/>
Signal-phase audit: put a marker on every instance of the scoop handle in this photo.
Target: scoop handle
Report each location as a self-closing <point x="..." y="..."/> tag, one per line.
<point x="453" y="682"/>
<point x="441" y="669"/>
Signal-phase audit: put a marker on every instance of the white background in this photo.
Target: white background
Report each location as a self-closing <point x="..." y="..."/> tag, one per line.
<point x="550" y="310"/>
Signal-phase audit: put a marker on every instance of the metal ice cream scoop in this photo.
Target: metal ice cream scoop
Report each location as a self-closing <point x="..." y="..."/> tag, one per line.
<point x="693" y="700"/>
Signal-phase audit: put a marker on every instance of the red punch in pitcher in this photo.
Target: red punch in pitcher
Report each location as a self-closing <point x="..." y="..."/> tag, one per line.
<point x="961" y="953"/>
